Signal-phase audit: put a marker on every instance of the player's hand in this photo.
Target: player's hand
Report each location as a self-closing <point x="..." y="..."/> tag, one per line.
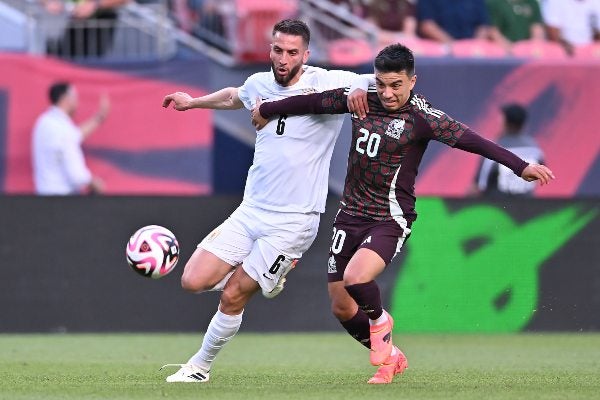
<point x="181" y="101"/>
<point x="537" y="172"/>
<point x="357" y="103"/>
<point x="257" y="120"/>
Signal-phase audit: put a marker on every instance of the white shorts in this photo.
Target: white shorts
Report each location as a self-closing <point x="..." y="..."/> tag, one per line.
<point x="265" y="242"/>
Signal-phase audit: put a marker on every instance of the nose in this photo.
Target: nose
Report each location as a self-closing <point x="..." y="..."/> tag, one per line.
<point x="284" y="58"/>
<point x="387" y="92"/>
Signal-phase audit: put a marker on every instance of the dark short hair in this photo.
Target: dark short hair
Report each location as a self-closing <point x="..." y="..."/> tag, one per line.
<point x="515" y="114"/>
<point x="395" y="58"/>
<point x="293" y="27"/>
<point x="57" y="91"/>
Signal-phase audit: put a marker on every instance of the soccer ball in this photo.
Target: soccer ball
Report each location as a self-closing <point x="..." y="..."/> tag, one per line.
<point x="152" y="251"/>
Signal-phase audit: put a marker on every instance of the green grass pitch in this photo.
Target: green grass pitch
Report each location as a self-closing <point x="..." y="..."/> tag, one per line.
<point x="300" y="366"/>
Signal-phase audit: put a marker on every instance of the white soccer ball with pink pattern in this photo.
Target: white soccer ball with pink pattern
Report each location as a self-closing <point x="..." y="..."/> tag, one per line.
<point x="152" y="251"/>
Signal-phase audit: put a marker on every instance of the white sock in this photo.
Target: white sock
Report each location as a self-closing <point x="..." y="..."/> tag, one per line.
<point x="381" y="320"/>
<point x="221" y="329"/>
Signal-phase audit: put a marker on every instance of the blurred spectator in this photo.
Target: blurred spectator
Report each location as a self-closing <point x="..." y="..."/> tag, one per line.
<point x="59" y="166"/>
<point x="184" y="14"/>
<point x="394" y="18"/>
<point x="356" y="7"/>
<point x="572" y="22"/>
<point x="90" y="26"/>
<point x="212" y="14"/>
<point x="517" y="19"/>
<point x="494" y="179"/>
<point x="446" y="21"/>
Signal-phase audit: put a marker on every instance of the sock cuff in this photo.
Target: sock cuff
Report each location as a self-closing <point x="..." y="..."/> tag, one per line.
<point x="231" y="320"/>
<point x="361" y="285"/>
<point x="358" y="317"/>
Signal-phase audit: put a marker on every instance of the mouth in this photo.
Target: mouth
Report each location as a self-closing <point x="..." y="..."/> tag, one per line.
<point x="281" y="71"/>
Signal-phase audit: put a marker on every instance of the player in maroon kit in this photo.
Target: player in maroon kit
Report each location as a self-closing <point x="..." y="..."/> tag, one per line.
<point x="378" y="204"/>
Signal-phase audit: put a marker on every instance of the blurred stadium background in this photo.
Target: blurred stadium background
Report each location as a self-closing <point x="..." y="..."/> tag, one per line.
<point x="474" y="265"/>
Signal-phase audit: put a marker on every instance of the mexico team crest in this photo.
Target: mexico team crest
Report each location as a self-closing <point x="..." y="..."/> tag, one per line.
<point x="331" y="267"/>
<point x="395" y="128"/>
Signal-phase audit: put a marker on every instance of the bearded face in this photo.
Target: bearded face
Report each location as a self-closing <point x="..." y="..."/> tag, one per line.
<point x="288" y="55"/>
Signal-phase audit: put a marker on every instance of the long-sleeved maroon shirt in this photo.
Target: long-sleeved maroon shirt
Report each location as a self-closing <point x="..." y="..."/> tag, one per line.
<point x="387" y="148"/>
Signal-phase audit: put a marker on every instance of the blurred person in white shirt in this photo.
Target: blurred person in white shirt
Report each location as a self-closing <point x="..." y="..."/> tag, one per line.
<point x="572" y="22"/>
<point x="59" y="166"/>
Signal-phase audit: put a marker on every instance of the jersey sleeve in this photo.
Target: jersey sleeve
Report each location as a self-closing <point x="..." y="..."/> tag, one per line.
<point x="327" y="102"/>
<point x="338" y="78"/>
<point x="245" y="91"/>
<point x="473" y="143"/>
<point x="438" y="125"/>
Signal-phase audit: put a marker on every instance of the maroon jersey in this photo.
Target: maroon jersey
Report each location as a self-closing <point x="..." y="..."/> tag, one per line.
<point x="387" y="148"/>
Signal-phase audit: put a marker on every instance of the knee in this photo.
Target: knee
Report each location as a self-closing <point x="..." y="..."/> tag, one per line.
<point x="355" y="278"/>
<point x="190" y="284"/>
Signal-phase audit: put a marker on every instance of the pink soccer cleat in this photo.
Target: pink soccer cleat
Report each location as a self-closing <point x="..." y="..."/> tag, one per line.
<point x="394" y="365"/>
<point x="381" y="341"/>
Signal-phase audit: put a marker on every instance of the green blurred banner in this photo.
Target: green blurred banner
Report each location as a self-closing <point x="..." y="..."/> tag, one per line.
<point x="473" y="267"/>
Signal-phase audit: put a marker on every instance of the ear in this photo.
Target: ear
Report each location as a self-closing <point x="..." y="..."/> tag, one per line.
<point x="305" y="56"/>
<point x="413" y="81"/>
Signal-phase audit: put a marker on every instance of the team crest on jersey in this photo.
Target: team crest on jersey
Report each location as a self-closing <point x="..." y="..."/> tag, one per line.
<point x="331" y="266"/>
<point x="395" y="128"/>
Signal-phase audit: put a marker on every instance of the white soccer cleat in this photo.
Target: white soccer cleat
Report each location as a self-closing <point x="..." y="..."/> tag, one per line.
<point x="187" y="373"/>
<point x="281" y="282"/>
<point x="276" y="290"/>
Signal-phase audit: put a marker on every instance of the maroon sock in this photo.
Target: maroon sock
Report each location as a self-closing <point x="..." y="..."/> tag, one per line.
<point x="367" y="297"/>
<point x="358" y="328"/>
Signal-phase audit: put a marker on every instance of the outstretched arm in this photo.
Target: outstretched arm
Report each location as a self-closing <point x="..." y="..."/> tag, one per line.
<point x="94" y="122"/>
<point x="327" y="102"/>
<point x="474" y="143"/>
<point x="224" y="99"/>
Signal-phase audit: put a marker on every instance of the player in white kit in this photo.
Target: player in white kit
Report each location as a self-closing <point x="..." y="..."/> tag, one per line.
<point x="285" y="192"/>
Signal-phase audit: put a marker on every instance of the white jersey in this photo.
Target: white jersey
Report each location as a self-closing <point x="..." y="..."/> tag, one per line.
<point x="58" y="162"/>
<point x="290" y="169"/>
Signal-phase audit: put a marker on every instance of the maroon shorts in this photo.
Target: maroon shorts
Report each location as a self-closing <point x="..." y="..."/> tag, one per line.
<point x="351" y="233"/>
